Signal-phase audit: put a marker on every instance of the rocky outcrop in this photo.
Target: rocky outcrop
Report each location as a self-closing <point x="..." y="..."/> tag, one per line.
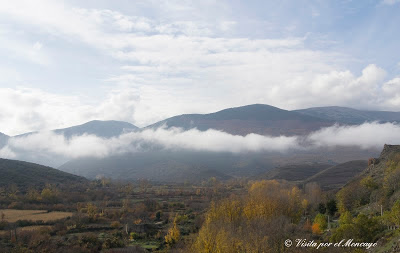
<point x="376" y="166"/>
<point x="389" y="150"/>
<point x="373" y="161"/>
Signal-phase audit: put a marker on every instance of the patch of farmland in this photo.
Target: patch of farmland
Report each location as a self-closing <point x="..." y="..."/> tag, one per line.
<point x="12" y="215"/>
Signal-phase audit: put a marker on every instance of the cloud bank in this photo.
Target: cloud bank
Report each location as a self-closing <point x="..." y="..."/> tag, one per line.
<point x="365" y="136"/>
<point x="174" y="139"/>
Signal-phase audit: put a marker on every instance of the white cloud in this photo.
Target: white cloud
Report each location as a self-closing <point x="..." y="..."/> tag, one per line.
<point x="217" y="141"/>
<point x="90" y="145"/>
<point x="177" y="61"/>
<point x="391" y="90"/>
<point x="48" y="142"/>
<point x="103" y="29"/>
<point x="56" y="18"/>
<point x="188" y="89"/>
<point x="391" y="2"/>
<point x="37" y="46"/>
<point x="25" y="109"/>
<point x="343" y="88"/>
<point x="6" y="152"/>
<point x="365" y="136"/>
<point x="13" y="47"/>
<point x="148" y="95"/>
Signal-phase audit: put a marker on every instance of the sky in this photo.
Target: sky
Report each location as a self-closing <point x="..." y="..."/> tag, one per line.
<point x="64" y="63"/>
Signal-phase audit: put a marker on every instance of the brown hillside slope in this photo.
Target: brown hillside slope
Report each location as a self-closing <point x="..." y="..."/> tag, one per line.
<point x="337" y="176"/>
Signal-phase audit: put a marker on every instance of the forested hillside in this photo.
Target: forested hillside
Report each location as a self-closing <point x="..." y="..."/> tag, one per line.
<point x="366" y="210"/>
<point x="24" y="174"/>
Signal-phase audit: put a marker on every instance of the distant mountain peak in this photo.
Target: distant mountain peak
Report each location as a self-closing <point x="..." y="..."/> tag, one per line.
<point x="254" y="106"/>
<point x="345" y="115"/>
<point x="107" y="122"/>
<point x="96" y="121"/>
<point x="255" y="118"/>
<point x="100" y="128"/>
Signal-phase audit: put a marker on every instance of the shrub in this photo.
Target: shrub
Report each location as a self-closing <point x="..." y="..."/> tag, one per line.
<point x="115" y="224"/>
<point x="134" y="236"/>
<point x="321" y="220"/>
<point x="316" y="229"/>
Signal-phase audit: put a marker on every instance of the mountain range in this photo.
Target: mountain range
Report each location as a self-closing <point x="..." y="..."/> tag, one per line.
<point x="100" y="128"/>
<point x="180" y="165"/>
<point x="351" y="116"/>
<point x="256" y="118"/>
<point x="269" y="120"/>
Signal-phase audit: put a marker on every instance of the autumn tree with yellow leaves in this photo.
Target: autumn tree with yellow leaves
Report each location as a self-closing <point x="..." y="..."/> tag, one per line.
<point x="260" y="221"/>
<point x="173" y="234"/>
